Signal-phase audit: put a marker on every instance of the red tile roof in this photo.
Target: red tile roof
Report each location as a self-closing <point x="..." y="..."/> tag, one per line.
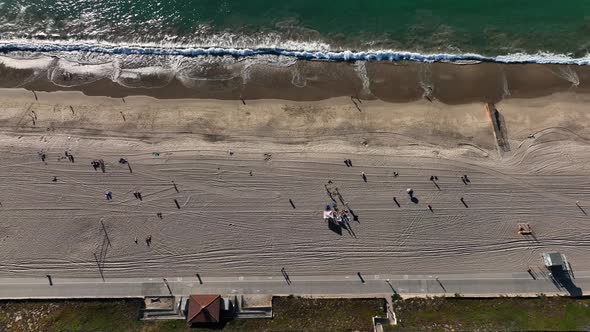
<point x="203" y="309"/>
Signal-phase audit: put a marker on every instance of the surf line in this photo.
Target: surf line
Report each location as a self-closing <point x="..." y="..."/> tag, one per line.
<point x="338" y="56"/>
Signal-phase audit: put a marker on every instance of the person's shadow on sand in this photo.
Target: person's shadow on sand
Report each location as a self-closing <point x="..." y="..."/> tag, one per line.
<point x="335" y="227"/>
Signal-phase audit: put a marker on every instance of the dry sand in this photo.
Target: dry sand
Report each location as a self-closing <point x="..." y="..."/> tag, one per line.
<point x="233" y="223"/>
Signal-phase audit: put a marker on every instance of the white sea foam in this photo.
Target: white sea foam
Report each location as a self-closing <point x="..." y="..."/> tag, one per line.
<point x="275" y="47"/>
<point x="297" y="79"/>
<point x="361" y="70"/>
<point x="425" y="81"/>
<point x="568" y="74"/>
<point x="36" y="67"/>
<point x="147" y="77"/>
<point x="505" y="86"/>
<point x="40" y="63"/>
<point x="246" y="70"/>
<point x="67" y="74"/>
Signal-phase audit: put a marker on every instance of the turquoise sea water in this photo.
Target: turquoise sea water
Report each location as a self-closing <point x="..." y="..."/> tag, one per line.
<point x="487" y="27"/>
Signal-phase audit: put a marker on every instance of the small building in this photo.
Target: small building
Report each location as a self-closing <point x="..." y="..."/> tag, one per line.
<point x="553" y="260"/>
<point x="203" y="309"/>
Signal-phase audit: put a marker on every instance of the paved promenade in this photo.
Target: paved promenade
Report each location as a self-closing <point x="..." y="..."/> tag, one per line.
<point x="338" y="286"/>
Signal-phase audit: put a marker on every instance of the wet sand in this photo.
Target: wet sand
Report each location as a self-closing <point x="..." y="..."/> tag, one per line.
<point x="233" y="223"/>
<point x="230" y="79"/>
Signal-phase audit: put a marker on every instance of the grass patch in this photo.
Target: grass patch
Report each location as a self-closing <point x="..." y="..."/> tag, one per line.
<point x="499" y="314"/>
<point x="290" y="314"/>
<point x="78" y="315"/>
<point x="300" y="314"/>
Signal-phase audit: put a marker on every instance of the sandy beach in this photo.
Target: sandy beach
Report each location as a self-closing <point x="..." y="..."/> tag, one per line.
<point x="236" y="167"/>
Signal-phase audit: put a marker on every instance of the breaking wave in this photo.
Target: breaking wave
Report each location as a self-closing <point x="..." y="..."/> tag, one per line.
<point x="303" y="53"/>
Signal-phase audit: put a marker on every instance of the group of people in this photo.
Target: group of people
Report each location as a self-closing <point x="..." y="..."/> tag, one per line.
<point x="148" y="240"/>
<point x="99" y="164"/>
<point x="68" y="156"/>
<point x="334" y="214"/>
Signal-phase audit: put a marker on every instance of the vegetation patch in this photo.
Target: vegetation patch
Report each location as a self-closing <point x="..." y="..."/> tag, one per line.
<point x="496" y="314"/>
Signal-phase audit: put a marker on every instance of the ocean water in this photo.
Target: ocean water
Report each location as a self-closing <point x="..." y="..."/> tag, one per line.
<point x="150" y="43"/>
<point x="485" y="27"/>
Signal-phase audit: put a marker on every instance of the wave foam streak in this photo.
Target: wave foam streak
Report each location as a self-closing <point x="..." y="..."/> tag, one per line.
<point x="377" y="55"/>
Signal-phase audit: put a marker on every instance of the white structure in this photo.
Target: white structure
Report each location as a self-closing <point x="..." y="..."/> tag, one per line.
<point x="554" y="260"/>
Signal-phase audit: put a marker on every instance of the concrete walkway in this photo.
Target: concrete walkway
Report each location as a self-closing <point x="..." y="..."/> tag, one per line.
<point x="321" y="286"/>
